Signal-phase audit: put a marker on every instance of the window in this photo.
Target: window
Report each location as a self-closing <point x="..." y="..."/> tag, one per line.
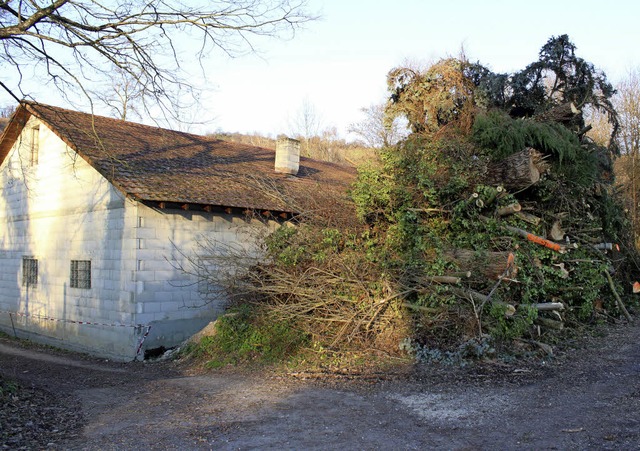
<point x="80" y="273"/>
<point x="29" y="272"/>
<point x="35" y="146"/>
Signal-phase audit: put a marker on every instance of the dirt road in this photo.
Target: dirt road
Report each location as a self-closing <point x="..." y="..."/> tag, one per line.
<point x="589" y="399"/>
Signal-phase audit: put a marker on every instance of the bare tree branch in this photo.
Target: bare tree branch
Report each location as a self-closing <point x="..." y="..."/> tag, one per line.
<point x="74" y="42"/>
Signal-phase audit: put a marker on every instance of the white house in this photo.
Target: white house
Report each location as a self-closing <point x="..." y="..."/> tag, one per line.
<point x="97" y="213"/>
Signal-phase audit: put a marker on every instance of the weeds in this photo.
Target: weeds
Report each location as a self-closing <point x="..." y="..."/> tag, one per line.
<point x="245" y="336"/>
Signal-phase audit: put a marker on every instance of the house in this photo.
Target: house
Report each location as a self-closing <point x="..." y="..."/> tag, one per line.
<point x="98" y="214"/>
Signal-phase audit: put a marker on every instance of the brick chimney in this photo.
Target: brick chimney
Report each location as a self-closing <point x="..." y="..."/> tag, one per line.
<point x="287" y="155"/>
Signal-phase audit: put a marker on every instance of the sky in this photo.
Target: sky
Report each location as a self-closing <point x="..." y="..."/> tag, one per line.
<point x="338" y="64"/>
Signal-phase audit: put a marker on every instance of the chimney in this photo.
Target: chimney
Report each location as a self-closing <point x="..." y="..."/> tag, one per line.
<point x="287" y="155"/>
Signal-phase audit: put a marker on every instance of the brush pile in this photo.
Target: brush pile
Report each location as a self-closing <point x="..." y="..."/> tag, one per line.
<point x="495" y="223"/>
<point x="499" y="214"/>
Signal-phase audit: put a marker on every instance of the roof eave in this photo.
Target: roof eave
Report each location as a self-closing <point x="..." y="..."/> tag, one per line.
<point x="223" y="209"/>
<point x="12" y="130"/>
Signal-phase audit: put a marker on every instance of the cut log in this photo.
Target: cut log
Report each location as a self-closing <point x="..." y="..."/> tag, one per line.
<point x="518" y="171"/>
<point x="494" y="194"/>
<point x="528" y="217"/>
<point x="491" y="265"/>
<point x="607" y="246"/>
<point x="509" y="209"/>
<point x="556" y="233"/>
<point x="545" y="347"/>
<point x="438" y="279"/>
<point x="545" y="306"/>
<point x="563" y="114"/>
<point x="549" y="323"/>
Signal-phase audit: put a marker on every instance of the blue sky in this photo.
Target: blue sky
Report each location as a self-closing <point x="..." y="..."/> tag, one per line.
<point x="339" y="63"/>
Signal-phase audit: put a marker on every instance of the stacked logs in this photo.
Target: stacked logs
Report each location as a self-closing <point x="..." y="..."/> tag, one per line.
<point x="511" y="176"/>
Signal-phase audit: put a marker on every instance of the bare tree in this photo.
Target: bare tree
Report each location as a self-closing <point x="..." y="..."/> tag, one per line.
<point x="7" y="111"/>
<point x="72" y="43"/>
<point x="599" y="128"/>
<point x="627" y="104"/>
<point x="374" y="131"/>
<point x="5" y="114"/>
<point x="122" y="96"/>
<point x="306" y="123"/>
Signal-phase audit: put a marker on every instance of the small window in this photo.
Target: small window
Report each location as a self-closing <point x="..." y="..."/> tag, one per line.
<point x="81" y="274"/>
<point x="29" y="272"/>
<point x="35" y="146"/>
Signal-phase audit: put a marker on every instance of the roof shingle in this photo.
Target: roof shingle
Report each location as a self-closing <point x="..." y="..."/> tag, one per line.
<point x="155" y="164"/>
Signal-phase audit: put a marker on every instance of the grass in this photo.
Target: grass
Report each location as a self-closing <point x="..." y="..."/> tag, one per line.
<point x="245" y="336"/>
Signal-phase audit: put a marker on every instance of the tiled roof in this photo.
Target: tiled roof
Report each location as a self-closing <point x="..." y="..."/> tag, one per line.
<point x="154" y="164"/>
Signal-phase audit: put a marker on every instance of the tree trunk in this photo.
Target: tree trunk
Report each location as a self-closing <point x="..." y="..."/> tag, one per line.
<point x="518" y="171"/>
<point x="509" y="209"/>
<point x="549" y="323"/>
<point x="491" y="265"/>
<point x="438" y="279"/>
<point x="563" y="114"/>
<point x="528" y="217"/>
<point x="544" y="306"/>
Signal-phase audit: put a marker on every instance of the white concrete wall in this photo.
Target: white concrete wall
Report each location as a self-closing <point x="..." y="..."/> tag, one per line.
<point x="170" y="297"/>
<point x="62" y="210"/>
<point x="58" y="210"/>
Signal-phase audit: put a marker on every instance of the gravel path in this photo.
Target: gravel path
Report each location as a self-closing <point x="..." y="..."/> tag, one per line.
<point x="588" y="399"/>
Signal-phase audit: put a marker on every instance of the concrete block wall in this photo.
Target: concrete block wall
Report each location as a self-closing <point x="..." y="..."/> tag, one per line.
<point x="169" y="299"/>
<point x="56" y="211"/>
<point x="61" y="210"/>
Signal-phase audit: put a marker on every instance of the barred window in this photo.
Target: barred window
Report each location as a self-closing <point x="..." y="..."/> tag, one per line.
<point x="29" y="272"/>
<point x="80" y="274"/>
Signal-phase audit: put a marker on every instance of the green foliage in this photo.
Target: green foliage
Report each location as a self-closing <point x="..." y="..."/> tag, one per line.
<point x="503" y="135"/>
<point x="283" y="245"/>
<point x="371" y="193"/>
<point x="558" y="77"/>
<point x="614" y="223"/>
<point x="505" y="327"/>
<point x="500" y="136"/>
<point x="420" y="195"/>
<point x="244" y="336"/>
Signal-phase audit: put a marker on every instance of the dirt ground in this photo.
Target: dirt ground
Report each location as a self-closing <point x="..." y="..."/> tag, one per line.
<point x="587" y="397"/>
